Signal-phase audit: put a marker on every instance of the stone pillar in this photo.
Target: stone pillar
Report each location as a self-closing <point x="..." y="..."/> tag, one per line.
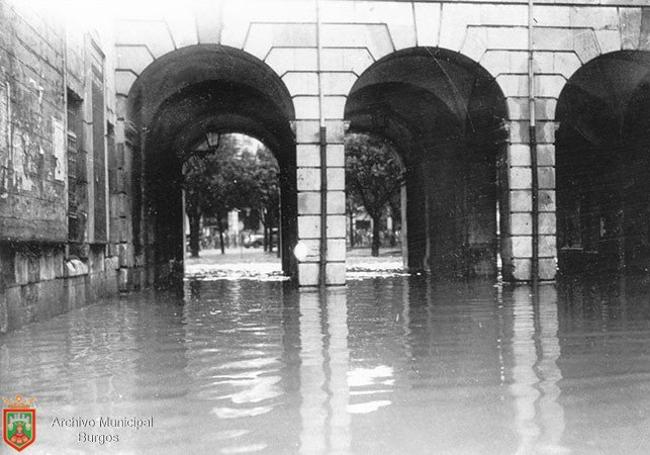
<point x="546" y="199"/>
<point x="309" y="200"/>
<point x="306" y="83"/>
<point x="518" y="229"/>
<point x="121" y="203"/>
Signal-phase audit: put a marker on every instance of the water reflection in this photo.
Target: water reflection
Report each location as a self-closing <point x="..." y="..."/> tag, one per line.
<point x="539" y="419"/>
<point x="324" y="387"/>
<point x="313" y="407"/>
<point x="551" y="412"/>
<point x="524" y="378"/>
<point x="388" y="365"/>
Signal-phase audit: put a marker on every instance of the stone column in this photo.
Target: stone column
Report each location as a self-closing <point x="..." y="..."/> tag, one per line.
<point x="309" y="200"/>
<point x="121" y="196"/>
<point x="310" y="87"/>
<point x="546" y="199"/>
<point x="517" y="231"/>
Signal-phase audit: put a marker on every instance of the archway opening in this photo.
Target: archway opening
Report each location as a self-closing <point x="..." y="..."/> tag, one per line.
<point x="374" y="180"/>
<point x="444" y="115"/>
<point x="232" y="208"/>
<point x="602" y="166"/>
<point x="178" y="102"/>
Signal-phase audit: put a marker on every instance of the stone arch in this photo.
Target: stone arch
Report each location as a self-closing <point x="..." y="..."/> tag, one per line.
<point x="195" y="64"/>
<point x="445" y="112"/>
<point x="179" y="97"/>
<point x="472" y="51"/>
<point x="602" y="166"/>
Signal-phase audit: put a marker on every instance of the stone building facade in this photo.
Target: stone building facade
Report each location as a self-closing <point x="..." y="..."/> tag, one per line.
<point x="57" y="113"/>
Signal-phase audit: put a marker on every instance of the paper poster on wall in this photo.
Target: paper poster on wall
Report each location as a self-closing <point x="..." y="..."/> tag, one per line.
<point x="4" y="139"/>
<point x="4" y="124"/>
<point x="59" y="149"/>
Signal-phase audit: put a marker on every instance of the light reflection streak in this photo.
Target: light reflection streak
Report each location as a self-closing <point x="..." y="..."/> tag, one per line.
<point x="339" y="357"/>
<point x="323" y="373"/>
<point x="551" y="412"/>
<point x="524" y="379"/>
<point x="406" y="319"/>
<point x="369" y="379"/>
<point x="539" y="418"/>
<point x="312" y="377"/>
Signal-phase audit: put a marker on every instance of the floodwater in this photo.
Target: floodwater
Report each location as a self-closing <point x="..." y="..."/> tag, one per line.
<point x="389" y="365"/>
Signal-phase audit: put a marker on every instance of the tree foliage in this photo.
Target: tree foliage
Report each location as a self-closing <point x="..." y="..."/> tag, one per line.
<point x="373" y="177"/>
<point x="233" y="176"/>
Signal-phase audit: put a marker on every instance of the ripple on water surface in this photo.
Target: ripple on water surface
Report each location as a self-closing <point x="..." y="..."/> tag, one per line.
<point x="396" y="364"/>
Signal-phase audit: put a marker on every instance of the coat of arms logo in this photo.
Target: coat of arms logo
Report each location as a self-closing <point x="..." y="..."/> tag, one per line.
<point x="19" y="422"/>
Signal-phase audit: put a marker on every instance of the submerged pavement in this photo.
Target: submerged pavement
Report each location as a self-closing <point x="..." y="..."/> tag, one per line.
<point x="388" y="365"/>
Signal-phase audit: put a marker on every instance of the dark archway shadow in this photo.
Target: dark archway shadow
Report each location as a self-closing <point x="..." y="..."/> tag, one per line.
<point x="602" y="167"/>
<point x="444" y="114"/>
<point x="177" y="100"/>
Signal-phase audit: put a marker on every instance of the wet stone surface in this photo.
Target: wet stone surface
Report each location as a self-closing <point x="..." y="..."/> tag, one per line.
<point x="389" y="365"/>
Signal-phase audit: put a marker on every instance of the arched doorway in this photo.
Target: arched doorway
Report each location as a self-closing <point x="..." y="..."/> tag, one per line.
<point x="444" y="114"/>
<point x="173" y="104"/>
<point x="602" y="166"/>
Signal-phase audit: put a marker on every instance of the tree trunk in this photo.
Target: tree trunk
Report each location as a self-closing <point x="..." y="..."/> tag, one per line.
<point x="269" y="229"/>
<point x="265" y="240"/>
<point x="351" y="230"/>
<point x="375" y="236"/>
<point x="220" y="226"/>
<point x="195" y="226"/>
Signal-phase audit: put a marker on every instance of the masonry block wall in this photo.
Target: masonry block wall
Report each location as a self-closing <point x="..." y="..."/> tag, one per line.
<point x="354" y="35"/>
<point x="55" y="104"/>
<point x="309" y="202"/>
